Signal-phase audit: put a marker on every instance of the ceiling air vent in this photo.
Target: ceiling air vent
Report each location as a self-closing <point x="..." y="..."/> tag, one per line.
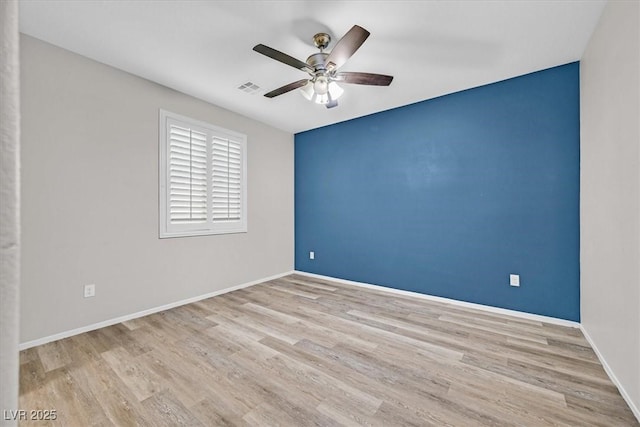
<point x="249" y="87"/>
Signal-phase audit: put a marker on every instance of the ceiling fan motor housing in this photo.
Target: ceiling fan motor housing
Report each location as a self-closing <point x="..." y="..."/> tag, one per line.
<point x="317" y="62"/>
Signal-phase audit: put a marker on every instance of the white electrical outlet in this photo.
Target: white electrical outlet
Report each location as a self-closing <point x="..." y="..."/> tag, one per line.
<point x="514" y="279"/>
<point x="89" y="290"/>
<point x="312" y="255"/>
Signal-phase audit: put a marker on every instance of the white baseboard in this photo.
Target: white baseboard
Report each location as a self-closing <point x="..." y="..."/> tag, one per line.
<point x="105" y="323"/>
<point x="612" y="376"/>
<point x="514" y="313"/>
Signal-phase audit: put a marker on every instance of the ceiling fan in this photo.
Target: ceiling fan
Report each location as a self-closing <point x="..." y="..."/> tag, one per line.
<point x="322" y="87"/>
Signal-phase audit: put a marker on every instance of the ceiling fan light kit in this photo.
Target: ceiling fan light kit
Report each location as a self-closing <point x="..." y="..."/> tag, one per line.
<point x="321" y="91"/>
<point x="322" y="87"/>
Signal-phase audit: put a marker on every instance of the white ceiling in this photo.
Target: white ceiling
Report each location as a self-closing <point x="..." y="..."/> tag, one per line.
<point x="204" y="48"/>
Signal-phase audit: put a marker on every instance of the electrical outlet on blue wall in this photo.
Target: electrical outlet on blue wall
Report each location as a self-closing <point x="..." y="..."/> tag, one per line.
<point x="514" y="280"/>
<point x="445" y="195"/>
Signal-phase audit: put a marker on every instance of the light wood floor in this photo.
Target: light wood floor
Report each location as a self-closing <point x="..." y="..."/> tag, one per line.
<point x="298" y="351"/>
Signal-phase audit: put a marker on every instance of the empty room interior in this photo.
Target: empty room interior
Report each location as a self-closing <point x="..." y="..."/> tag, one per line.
<point x="300" y="213"/>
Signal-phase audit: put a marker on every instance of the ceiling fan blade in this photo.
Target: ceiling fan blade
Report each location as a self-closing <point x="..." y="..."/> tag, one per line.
<point x="363" y="78"/>
<point x="346" y="47"/>
<point x="282" y="57"/>
<point x="286" y="88"/>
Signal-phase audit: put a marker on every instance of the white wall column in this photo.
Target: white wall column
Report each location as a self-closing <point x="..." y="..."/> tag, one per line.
<point x="9" y="206"/>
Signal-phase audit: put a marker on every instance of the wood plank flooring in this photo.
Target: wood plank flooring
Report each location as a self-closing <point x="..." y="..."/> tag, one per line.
<point x="299" y="351"/>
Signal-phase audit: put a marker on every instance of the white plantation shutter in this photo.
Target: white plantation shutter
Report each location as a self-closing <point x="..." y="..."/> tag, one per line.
<point x="202" y="178"/>
<point x="187" y="175"/>
<point x="226" y="183"/>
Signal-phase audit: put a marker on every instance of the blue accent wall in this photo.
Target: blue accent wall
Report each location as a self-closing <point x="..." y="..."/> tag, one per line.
<point x="449" y="196"/>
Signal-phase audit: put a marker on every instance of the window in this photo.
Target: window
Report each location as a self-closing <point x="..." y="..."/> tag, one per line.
<point x="203" y="178"/>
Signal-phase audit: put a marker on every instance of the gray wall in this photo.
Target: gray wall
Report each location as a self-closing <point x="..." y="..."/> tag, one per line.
<point x="610" y="191"/>
<point x="90" y="197"/>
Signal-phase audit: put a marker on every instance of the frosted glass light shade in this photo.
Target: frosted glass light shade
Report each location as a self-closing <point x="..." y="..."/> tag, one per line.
<point x="335" y="90"/>
<point x="321" y="85"/>
<point x="307" y="91"/>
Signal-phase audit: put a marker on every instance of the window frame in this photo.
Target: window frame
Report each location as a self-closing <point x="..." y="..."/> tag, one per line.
<point x="209" y="227"/>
